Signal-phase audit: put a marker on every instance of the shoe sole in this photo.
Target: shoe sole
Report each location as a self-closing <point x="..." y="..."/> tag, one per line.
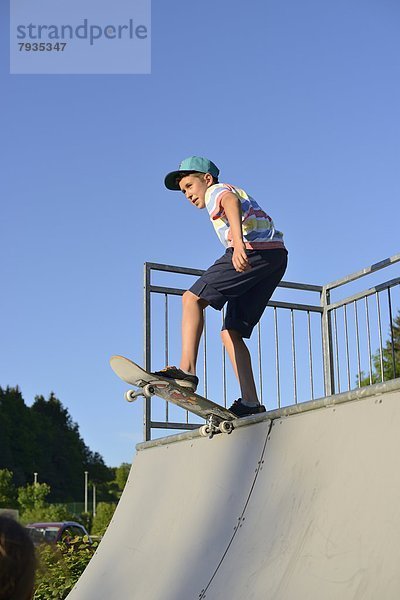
<point x="249" y="414"/>
<point x="185" y="384"/>
<point x="179" y="382"/>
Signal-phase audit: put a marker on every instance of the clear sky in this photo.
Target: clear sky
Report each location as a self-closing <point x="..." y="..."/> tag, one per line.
<point x="297" y="102"/>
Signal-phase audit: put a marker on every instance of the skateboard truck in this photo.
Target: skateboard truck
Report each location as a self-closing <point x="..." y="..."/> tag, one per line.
<point x="215" y="425"/>
<point x="145" y="389"/>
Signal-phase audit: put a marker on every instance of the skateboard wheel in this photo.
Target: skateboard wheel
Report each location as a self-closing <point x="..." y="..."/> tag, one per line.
<point x="149" y="390"/>
<point x="130" y="396"/>
<point x="226" y="427"/>
<point x="204" y="431"/>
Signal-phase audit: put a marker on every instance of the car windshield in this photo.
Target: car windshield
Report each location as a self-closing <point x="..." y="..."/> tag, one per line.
<point x="43" y="534"/>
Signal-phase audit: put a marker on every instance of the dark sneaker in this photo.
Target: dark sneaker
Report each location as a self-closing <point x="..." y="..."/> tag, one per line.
<point x="179" y="377"/>
<point x="241" y="410"/>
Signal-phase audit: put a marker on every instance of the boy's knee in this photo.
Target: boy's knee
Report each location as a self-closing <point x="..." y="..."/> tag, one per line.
<point x="230" y="335"/>
<point x="190" y="298"/>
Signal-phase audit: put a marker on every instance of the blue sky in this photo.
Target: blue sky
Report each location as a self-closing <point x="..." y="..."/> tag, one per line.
<point x="297" y="102"/>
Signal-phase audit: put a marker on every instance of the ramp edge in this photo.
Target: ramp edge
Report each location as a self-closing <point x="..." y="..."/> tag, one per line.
<point x="271" y="415"/>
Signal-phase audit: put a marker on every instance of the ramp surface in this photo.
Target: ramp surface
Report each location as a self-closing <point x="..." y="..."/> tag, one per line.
<point x="292" y="505"/>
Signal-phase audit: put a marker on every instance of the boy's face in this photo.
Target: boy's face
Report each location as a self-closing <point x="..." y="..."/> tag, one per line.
<point x="195" y="186"/>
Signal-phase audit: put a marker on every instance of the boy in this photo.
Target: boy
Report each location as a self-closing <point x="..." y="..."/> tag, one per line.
<point x="244" y="277"/>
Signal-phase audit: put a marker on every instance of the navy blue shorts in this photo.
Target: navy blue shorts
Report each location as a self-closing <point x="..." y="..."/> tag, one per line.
<point x="246" y="293"/>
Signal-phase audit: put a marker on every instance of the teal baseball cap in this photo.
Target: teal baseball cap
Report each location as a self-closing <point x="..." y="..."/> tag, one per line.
<point x="193" y="163"/>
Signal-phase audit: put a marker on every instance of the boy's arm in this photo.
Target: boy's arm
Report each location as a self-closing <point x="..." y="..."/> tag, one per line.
<point x="232" y="207"/>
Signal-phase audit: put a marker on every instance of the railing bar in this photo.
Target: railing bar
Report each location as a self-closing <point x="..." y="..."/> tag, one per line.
<point x="336" y="351"/>
<point x="295" y="306"/>
<point x="357" y="344"/>
<point x="398" y="357"/>
<point x="260" y="361"/>
<point x="392" y="333"/>
<point x="378" y="307"/>
<point x="323" y="348"/>
<point x="288" y="284"/>
<point x="205" y="355"/>
<point x="198" y="272"/>
<point x="171" y="425"/>
<point x="278" y="385"/>
<point x="310" y="358"/>
<point x="305" y="287"/>
<point x="398" y="318"/>
<point x="147" y="350"/>
<point x="166" y="349"/>
<point x="327" y="345"/>
<point x="346" y="334"/>
<point x="223" y="364"/>
<point x="358" y="274"/>
<point x="155" y="289"/>
<point x="174" y="269"/>
<point x="370" y="292"/>
<point x="368" y="339"/>
<point x="293" y="357"/>
<point x="159" y="289"/>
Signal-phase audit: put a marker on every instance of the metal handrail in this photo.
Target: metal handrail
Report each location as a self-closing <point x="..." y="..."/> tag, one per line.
<point x="342" y="338"/>
<point x="363" y="272"/>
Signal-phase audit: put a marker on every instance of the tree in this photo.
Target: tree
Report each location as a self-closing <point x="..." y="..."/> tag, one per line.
<point x="17" y="435"/>
<point x="33" y="505"/>
<point x="43" y="438"/>
<point x="8" y="492"/>
<point x="390" y="358"/>
<point x="33" y="497"/>
<point x="70" y="457"/>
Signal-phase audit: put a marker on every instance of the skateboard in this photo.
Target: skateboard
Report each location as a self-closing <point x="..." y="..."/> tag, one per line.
<point x="219" y="419"/>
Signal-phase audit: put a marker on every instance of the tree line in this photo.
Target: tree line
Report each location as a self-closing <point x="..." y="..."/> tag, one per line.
<point x="44" y="439"/>
<point x="385" y="366"/>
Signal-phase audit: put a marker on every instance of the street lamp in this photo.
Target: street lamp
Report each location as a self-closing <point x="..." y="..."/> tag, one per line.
<point x="35" y="475"/>
<point x="94" y="500"/>
<point x="86" y="491"/>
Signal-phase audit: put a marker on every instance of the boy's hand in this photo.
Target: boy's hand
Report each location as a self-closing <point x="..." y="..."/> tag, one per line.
<point x="232" y="208"/>
<point x="239" y="258"/>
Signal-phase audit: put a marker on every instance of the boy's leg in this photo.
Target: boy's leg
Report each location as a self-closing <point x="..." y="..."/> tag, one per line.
<point x="241" y="362"/>
<point x="243" y="312"/>
<point x="192" y="328"/>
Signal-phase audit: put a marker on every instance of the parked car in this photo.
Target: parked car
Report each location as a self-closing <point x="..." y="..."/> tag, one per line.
<point x="51" y="533"/>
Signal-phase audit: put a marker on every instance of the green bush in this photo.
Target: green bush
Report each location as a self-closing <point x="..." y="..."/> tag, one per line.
<point x="60" y="567"/>
<point x="103" y="517"/>
<point x="34" y="507"/>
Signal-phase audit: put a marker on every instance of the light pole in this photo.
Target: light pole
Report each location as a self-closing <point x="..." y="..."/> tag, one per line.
<point x="35" y="478"/>
<point x="86" y="491"/>
<point x="94" y="500"/>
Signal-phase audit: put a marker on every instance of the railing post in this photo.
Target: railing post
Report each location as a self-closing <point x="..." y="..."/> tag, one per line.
<point x="147" y="350"/>
<point x="327" y="346"/>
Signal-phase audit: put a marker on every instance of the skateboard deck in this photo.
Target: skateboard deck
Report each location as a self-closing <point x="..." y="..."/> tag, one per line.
<point x="218" y="418"/>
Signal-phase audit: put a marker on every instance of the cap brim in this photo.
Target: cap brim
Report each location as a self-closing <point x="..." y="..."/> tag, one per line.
<point x="170" y="180"/>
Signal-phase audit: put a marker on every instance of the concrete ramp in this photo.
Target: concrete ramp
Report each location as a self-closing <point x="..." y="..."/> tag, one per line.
<point x="300" y="504"/>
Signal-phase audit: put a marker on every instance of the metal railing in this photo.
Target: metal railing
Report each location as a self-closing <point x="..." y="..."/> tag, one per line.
<point x="350" y="345"/>
<point x="304" y="347"/>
